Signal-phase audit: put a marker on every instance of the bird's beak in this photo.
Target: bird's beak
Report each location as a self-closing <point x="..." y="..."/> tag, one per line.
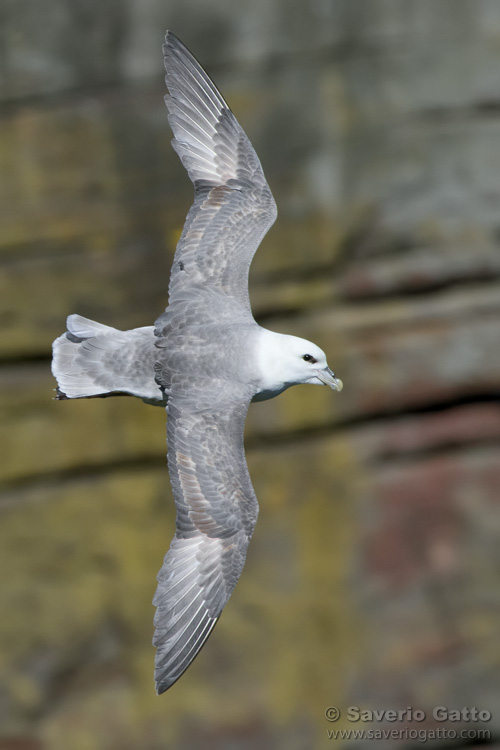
<point x="328" y="378"/>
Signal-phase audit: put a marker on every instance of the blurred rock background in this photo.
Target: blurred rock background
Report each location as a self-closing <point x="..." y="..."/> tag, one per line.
<point x="373" y="578"/>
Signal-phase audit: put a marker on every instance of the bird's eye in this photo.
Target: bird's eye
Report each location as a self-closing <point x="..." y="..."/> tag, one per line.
<point x="309" y="358"/>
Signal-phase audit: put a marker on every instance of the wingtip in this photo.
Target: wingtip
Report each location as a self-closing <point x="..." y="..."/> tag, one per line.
<point x="163" y="684"/>
<point x="161" y="688"/>
<point x="173" y="46"/>
<point x="169" y="36"/>
<point x="172" y="41"/>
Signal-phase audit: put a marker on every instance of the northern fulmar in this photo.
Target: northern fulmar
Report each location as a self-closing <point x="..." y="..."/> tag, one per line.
<point x="205" y="360"/>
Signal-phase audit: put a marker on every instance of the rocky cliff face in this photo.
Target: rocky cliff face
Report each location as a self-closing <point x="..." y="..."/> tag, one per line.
<point x="373" y="576"/>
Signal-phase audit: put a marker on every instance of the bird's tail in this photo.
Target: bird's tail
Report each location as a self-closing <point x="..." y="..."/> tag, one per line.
<point x="93" y="360"/>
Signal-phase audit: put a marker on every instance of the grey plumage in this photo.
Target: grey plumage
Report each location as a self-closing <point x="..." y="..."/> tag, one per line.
<point x="208" y="297"/>
<point x="206" y="359"/>
<point x="92" y="359"/>
<point x="233" y="206"/>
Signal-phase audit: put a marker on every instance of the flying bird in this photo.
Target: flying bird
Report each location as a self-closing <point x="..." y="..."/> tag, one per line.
<point x="205" y="360"/>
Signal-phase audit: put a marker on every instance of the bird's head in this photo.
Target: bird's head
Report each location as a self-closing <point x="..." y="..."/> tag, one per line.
<point x="288" y="360"/>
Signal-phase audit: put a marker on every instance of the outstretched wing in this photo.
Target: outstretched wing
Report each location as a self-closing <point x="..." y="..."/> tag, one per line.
<point x="233" y="206"/>
<point x="216" y="515"/>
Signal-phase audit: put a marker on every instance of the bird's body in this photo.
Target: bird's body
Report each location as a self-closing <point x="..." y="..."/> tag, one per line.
<point x="206" y="359"/>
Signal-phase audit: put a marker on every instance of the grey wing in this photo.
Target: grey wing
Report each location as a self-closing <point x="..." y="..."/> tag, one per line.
<point x="233" y="206"/>
<point x="216" y="515"/>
